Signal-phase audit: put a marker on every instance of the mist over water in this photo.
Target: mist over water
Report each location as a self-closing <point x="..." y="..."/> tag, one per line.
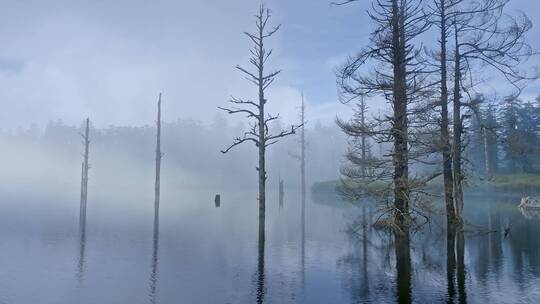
<point x="204" y="254"/>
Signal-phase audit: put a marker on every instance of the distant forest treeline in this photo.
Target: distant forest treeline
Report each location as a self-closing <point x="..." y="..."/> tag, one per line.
<point x="504" y="137"/>
<point x="124" y="155"/>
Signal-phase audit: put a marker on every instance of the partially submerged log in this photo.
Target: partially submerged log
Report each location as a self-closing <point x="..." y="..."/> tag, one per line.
<point x="530" y="203"/>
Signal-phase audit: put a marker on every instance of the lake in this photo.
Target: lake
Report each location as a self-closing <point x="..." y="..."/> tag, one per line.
<point x="202" y="254"/>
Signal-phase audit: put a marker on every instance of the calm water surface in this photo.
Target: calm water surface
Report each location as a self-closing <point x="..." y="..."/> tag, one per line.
<point x="202" y="254"/>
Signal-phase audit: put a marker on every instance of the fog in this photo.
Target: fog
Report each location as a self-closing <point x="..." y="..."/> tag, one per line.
<point x="123" y="157"/>
<point x="307" y="159"/>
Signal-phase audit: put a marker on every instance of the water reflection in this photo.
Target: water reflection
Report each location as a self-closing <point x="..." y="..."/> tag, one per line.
<point x="154" y="271"/>
<point x="82" y="245"/>
<point x="430" y="265"/>
<point x="261" y="291"/>
<point x="281" y="193"/>
<point x="403" y="266"/>
<point x="455" y="249"/>
<point x="451" y="263"/>
<point x="530" y="214"/>
<point x="303" y="242"/>
<point x="461" y="273"/>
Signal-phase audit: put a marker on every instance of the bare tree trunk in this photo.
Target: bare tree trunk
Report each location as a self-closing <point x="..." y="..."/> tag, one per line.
<point x="445" y="137"/>
<point x="303" y="165"/>
<point x="262" y="138"/>
<point x="84" y="175"/>
<point x="155" y="248"/>
<point x="159" y="155"/>
<point x="487" y="156"/>
<point x="363" y="136"/>
<point x="458" y="131"/>
<point x="303" y="157"/>
<point x="262" y="157"/>
<point x="82" y="239"/>
<point x="399" y="129"/>
<point x="82" y="204"/>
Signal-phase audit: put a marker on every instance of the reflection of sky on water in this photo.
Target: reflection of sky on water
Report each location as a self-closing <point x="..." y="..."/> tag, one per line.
<point x="209" y="254"/>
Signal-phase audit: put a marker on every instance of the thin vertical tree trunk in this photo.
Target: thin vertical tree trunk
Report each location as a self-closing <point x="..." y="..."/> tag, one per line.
<point x="445" y="137"/>
<point x="487" y="156"/>
<point x="81" y="204"/>
<point x="158" y="160"/>
<point x="363" y="136"/>
<point x="303" y="167"/>
<point x="84" y="175"/>
<point x="157" y="188"/>
<point x="458" y="131"/>
<point x="262" y="141"/>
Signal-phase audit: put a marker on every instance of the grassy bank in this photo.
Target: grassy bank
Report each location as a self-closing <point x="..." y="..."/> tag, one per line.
<point x="515" y="181"/>
<point x="521" y="184"/>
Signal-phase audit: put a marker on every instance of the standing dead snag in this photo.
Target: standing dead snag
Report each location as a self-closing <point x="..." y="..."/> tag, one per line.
<point x="84" y="197"/>
<point x="259" y="121"/>
<point x="388" y="67"/>
<point x="442" y="11"/>
<point x="302" y="159"/>
<point x="84" y="176"/>
<point x="281" y="193"/>
<point x="483" y="36"/>
<point x="303" y="169"/>
<point x="155" y="247"/>
<point x="159" y="155"/>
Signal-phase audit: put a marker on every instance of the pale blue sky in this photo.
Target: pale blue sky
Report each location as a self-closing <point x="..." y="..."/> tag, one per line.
<point x="109" y="59"/>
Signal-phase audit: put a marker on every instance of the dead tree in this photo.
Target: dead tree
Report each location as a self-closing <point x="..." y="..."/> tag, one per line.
<point x="303" y="156"/>
<point x="363" y="138"/>
<point x="259" y="121"/>
<point x="303" y="176"/>
<point x="302" y="159"/>
<point x="442" y="10"/>
<point x="159" y="155"/>
<point x="484" y="39"/>
<point x="281" y="193"/>
<point x="388" y="67"/>
<point x="84" y="176"/>
<point x="155" y="243"/>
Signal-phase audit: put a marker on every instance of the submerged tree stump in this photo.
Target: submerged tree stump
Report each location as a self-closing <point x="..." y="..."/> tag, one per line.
<point x="217" y="201"/>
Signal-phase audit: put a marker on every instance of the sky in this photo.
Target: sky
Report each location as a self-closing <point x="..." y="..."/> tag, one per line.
<point x="109" y="59"/>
